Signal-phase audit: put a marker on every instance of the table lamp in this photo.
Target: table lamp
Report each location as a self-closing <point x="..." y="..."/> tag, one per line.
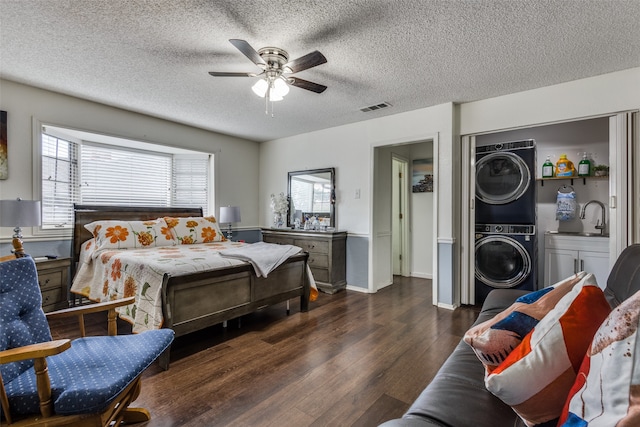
<point x="229" y="214"/>
<point x="19" y="213"/>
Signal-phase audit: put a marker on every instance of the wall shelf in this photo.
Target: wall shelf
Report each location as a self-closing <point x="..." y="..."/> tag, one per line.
<point x="572" y="178"/>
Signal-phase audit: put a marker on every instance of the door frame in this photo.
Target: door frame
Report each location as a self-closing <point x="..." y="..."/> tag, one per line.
<point x="624" y="209"/>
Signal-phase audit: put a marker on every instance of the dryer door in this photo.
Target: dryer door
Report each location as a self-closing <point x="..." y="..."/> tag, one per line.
<point x="501" y="178"/>
<point x="501" y="262"/>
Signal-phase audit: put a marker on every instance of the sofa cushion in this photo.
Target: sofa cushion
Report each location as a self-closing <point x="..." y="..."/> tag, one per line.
<point x="607" y="389"/>
<point x="536" y="377"/>
<point x="460" y="378"/>
<point x="493" y="340"/>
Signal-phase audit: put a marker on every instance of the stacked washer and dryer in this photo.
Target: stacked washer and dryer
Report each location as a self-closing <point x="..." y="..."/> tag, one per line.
<point x="505" y="217"/>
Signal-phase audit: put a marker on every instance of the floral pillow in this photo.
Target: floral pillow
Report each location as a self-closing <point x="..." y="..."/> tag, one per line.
<point x="189" y="230"/>
<point x="130" y="234"/>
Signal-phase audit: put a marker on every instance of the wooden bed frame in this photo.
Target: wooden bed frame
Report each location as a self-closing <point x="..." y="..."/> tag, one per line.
<point x="199" y="300"/>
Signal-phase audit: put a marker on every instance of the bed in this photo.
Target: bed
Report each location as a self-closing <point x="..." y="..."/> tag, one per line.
<point x="199" y="299"/>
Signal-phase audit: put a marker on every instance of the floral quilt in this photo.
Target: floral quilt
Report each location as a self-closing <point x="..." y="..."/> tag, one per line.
<point x="109" y="274"/>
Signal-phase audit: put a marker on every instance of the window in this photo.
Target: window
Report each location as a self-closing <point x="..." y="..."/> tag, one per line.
<point x="59" y="181"/>
<point x="139" y="174"/>
<point x="311" y="197"/>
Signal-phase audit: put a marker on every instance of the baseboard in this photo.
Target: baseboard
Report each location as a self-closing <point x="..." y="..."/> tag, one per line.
<point x="447" y="306"/>
<point x="422" y="275"/>
<point x="358" y="289"/>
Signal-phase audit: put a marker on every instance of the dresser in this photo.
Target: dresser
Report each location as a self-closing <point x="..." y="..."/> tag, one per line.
<point x="327" y="254"/>
<point x="53" y="276"/>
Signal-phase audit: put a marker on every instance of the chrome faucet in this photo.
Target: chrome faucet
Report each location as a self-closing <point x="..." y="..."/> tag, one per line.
<point x="599" y="226"/>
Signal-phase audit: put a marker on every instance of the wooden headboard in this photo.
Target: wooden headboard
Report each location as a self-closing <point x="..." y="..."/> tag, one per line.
<point x="86" y="214"/>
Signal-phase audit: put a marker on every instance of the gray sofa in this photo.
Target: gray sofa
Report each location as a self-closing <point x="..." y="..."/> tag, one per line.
<point x="457" y="396"/>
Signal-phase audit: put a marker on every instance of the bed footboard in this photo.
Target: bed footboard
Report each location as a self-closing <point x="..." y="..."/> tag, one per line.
<point x="197" y="301"/>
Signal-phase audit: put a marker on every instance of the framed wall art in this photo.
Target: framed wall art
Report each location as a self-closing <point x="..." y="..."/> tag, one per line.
<point x="422" y="176"/>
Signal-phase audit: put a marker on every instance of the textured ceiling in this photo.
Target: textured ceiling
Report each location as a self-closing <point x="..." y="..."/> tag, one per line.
<point x="153" y="56"/>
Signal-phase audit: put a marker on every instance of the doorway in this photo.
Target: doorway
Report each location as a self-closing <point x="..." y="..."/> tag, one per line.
<point x="418" y="254"/>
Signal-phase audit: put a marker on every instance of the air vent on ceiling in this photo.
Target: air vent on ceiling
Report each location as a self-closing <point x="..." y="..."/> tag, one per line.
<point x="375" y="107"/>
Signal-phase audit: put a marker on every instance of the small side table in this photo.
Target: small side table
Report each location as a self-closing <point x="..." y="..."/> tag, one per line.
<point x="53" y="276"/>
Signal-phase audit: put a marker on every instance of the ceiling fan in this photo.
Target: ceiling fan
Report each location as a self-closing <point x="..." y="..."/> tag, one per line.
<point x="276" y="69"/>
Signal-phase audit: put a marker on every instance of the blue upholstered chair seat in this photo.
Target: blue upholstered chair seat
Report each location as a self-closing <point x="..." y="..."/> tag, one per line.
<point x="94" y="376"/>
<point x="88" y="376"/>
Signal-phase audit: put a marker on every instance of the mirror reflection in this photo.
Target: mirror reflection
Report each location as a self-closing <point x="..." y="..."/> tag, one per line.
<point x="311" y="199"/>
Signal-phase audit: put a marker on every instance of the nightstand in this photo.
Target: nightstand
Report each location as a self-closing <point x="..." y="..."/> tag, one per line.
<point x="53" y="276"/>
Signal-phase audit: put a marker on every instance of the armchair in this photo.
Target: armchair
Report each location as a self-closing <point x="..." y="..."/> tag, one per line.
<point x="89" y="381"/>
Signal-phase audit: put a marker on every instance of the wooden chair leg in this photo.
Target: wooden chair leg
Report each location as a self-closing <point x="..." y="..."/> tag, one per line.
<point x="44" y="387"/>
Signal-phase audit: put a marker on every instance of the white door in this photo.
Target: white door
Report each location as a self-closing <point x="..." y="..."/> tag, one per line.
<point x="399" y="216"/>
<point x="596" y="263"/>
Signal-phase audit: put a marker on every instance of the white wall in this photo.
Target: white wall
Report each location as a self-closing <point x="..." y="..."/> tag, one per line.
<point x="349" y="149"/>
<point x="605" y="94"/>
<point x="237" y="159"/>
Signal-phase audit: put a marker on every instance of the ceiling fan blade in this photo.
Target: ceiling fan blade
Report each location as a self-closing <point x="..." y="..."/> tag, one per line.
<point x="305" y="62"/>
<point x="304" y="84"/>
<point x="227" y="74"/>
<point x="248" y="51"/>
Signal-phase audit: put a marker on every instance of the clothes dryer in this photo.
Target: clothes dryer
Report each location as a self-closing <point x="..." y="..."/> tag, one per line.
<point x="505" y="183"/>
<point x="505" y="257"/>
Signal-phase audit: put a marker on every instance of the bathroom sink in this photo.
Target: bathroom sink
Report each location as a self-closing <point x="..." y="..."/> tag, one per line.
<point x="578" y="233"/>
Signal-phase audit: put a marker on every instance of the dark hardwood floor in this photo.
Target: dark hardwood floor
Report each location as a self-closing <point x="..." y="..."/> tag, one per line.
<point x="353" y="360"/>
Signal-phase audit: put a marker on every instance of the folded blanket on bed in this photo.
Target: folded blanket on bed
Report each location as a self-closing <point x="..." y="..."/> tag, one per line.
<point x="264" y="257"/>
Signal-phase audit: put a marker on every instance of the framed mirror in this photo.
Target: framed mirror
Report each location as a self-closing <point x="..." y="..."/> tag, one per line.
<point x="311" y="195"/>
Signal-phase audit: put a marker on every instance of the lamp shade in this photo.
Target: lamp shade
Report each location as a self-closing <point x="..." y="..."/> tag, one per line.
<point x="19" y="213"/>
<point x="277" y="89"/>
<point x="229" y="214"/>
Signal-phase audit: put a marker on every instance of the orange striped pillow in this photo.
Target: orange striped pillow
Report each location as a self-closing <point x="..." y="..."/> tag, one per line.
<point x="536" y="376"/>
<point x="493" y="340"/>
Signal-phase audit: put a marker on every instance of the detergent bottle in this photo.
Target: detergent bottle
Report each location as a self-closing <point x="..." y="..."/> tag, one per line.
<point x="547" y="168"/>
<point x="564" y="166"/>
<point x="584" y="167"/>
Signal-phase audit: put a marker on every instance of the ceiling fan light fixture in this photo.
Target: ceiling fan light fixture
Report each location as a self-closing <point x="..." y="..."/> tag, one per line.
<point x="277" y="89"/>
<point x="260" y="88"/>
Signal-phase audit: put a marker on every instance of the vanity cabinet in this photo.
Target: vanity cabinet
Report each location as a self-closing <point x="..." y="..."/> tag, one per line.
<point x="566" y="255"/>
<point x="327" y="254"/>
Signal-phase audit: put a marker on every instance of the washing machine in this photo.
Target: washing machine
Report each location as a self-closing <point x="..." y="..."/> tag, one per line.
<point x="505" y="183"/>
<point x="505" y="257"/>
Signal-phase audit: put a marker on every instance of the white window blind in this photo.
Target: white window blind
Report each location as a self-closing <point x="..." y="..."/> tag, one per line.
<point x="105" y="174"/>
<point x="321" y="197"/>
<point x="59" y="181"/>
<point x="112" y="175"/>
<point x="190" y="181"/>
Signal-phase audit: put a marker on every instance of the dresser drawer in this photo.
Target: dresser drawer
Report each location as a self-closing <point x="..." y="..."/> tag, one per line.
<point x="318" y="246"/>
<point x="50" y="279"/>
<point x="53" y="277"/>
<point x="278" y="240"/>
<point x="51" y="299"/>
<point x="320" y="274"/>
<point x="318" y="260"/>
